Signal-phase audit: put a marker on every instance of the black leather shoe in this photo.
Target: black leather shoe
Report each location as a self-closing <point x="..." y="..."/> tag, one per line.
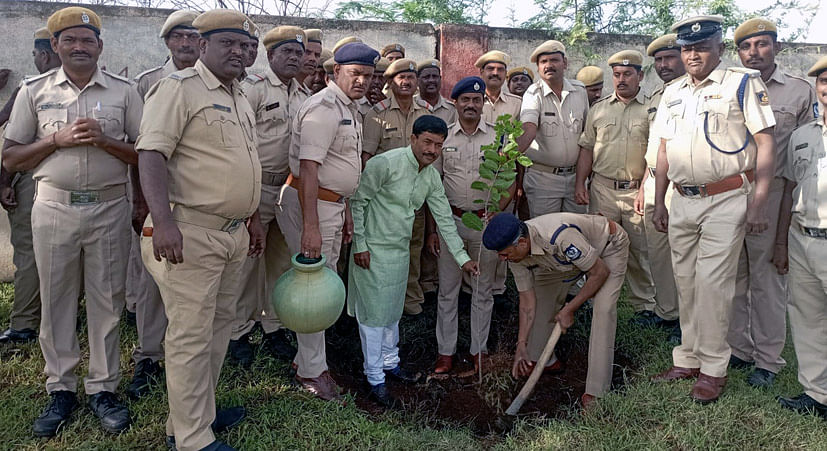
<point x="278" y="345"/>
<point x="803" y="403"/>
<point x="648" y="318"/>
<point x="383" y="396"/>
<point x="56" y="414"/>
<point x="114" y="416"/>
<point x="674" y="336"/>
<point x="739" y="364"/>
<point x="227" y="418"/>
<point x="131" y="318"/>
<point x="170" y="442"/>
<point x="403" y="375"/>
<point x="18" y="336"/>
<point x="241" y="351"/>
<point x="218" y="446"/>
<point x="761" y="378"/>
<point x="147" y="373"/>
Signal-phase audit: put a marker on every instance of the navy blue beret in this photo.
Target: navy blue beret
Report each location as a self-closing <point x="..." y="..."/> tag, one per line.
<point x="696" y="29"/>
<point x="356" y="53"/>
<point x="468" y="84"/>
<point x="502" y="231"/>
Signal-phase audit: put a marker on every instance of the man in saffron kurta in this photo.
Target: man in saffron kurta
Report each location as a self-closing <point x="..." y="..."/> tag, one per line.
<point x="393" y="186"/>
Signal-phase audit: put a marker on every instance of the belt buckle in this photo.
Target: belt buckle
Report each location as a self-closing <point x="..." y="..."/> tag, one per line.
<point x="691" y="190"/>
<point x="84" y="197"/>
<point x="651" y="171"/>
<point x="231" y="225"/>
<point x="815" y="233"/>
<point x="622" y="184"/>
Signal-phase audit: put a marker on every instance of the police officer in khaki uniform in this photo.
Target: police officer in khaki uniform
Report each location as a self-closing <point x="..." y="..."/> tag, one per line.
<point x="17" y="197"/>
<point x="181" y="39"/>
<point x="542" y="253"/>
<point x="312" y="54"/>
<point x="429" y="75"/>
<point x="553" y="112"/>
<point x="393" y="52"/>
<point x="519" y="79"/>
<point x="377" y="84"/>
<point x="612" y="149"/>
<point x="717" y="148"/>
<point x="493" y="68"/>
<point x="275" y="99"/>
<point x="73" y="127"/>
<point x="668" y="66"/>
<point x="318" y="80"/>
<point x="250" y="50"/>
<point x="199" y="133"/>
<point x="592" y="79"/>
<point x="325" y="165"/>
<point x="807" y="171"/>
<point x="758" y="327"/>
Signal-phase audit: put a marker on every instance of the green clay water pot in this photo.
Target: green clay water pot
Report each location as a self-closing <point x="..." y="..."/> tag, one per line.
<point x="309" y="297"/>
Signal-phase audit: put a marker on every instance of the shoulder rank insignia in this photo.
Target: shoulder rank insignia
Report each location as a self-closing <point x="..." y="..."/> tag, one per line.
<point x="763" y="98"/>
<point x="572" y="252"/>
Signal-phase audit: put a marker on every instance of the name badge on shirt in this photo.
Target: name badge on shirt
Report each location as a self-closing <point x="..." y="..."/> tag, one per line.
<point x="271" y="106"/>
<point x="223" y="108"/>
<point x="449" y="149"/>
<point x="674" y="102"/>
<point x="345" y="122"/>
<point x="49" y="106"/>
<point x="392" y="129"/>
<point x="652" y="110"/>
<point x="549" y="113"/>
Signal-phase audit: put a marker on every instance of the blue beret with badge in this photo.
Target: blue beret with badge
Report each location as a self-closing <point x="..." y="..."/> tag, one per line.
<point x="502" y="231"/>
<point x="468" y="84"/>
<point x="356" y="53"/>
<point x="696" y="29"/>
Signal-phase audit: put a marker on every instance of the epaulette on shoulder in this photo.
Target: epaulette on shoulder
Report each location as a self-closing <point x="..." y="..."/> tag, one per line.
<point x="743" y="70"/>
<point x="423" y="104"/>
<point x="578" y="83"/>
<point x="255" y="78"/>
<point x="382" y="106"/>
<point x="34" y="78"/>
<point x="796" y="77"/>
<point x="508" y="94"/>
<point x="601" y="99"/>
<point x="147" y="72"/>
<point x="326" y="96"/>
<point x="675" y="80"/>
<point x="183" y="74"/>
<point x="117" y="77"/>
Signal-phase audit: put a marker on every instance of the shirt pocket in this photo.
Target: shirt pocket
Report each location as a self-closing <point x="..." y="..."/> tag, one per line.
<point x="716" y="113"/>
<point x="51" y="120"/>
<point x="225" y="126"/>
<point x="111" y="119"/>
<point x="639" y="131"/>
<point x="605" y="129"/>
<point x="785" y="117"/>
<point x="804" y="166"/>
<point x="550" y="125"/>
<point x="273" y="123"/>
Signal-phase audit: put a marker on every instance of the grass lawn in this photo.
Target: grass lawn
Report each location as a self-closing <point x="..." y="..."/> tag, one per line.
<point x="641" y="415"/>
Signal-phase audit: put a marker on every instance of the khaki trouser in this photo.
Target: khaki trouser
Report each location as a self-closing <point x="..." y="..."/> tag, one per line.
<point x="414" y="294"/>
<point x="260" y="274"/>
<point x="660" y="256"/>
<point x="25" y="311"/>
<point x="311" y="358"/>
<point x="135" y="272"/>
<point x="199" y="296"/>
<point x="93" y="238"/>
<point x="549" y="193"/>
<point x="618" y="205"/>
<point x="758" y="325"/>
<point x="808" y="311"/>
<point x="551" y="288"/>
<point x="150" y="318"/>
<point x="482" y="299"/>
<point x="706" y="235"/>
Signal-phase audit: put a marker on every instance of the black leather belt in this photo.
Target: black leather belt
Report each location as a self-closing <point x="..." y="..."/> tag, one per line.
<point x="813" y="232"/>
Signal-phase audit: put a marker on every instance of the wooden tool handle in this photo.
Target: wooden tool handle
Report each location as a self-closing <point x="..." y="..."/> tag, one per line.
<point x="525" y="392"/>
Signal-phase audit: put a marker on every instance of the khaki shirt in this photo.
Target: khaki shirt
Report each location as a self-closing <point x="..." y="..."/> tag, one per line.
<point x="561" y="242"/>
<point x="364" y="107"/>
<point x="444" y="109"/>
<point x="387" y="127"/>
<point x="274" y="104"/>
<point x="49" y="102"/>
<point x="685" y="108"/>
<point x="808" y="168"/>
<point x="617" y="133"/>
<point x="653" y="141"/>
<point x="207" y="134"/>
<point x="559" y="122"/>
<point x="793" y="102"/>
<point x="328" y="130"/>
<point x="146" y="79"/>
<point x="460" y="164"/>
<point x="506" y="103"/>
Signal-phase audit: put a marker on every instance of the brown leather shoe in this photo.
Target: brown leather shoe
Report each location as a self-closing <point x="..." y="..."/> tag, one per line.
<point x="708" y="389"/>
<point x="587" y="401"/>
<point x="323" y="387"/>
<point x="444" y="364"/>
<point x="486" y="362"/>
<point x="676" y="373"/>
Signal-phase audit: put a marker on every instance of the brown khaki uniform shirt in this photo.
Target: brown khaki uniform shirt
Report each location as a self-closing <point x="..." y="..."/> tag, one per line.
<point x="207" y="133"/>
<point x="49" y="102"/>
<point x="689" y="115"/>
<point x="506" y="103"/>
<point x="562" y="242"/>
<point x="559" y="121"/>
<point x="388" y="127"/>
<point x="275" y="104"/>
<point x="460" y="164"/>
<point x="444" y="109"/>
<point x="653" y="142"/>
<point x="364" y="106"/>
<point x="617" y="134"/>
<point x="793" y="102"/>
<point x="328" y="130"/>
<point x="808" y="168"/>
<point x="146" y="79"/>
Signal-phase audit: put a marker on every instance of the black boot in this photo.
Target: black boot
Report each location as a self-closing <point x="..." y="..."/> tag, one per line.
<point x="114" y="416"/>
<point x="241" y="351"/>
<point x="803" y="403"/>
<point x="278" y="345"/>
<point x="761" y="378"/>
<point x="383" y="396"/>
<point x="403" y="375"/>
<point x="56" y="414"/>
<point x="227" y="418"/>
<point x="147" y="373"/>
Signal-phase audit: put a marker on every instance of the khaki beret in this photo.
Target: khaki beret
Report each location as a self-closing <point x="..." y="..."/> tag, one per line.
<point x="819" y="67"/>
<point x="328" y="65"/>
<point x="550" y="46"/>
<point x="754" y="27"/>
<point x="494" y="56"/>
<point x="42" y="34"/>
<point x="665" y="42"/>
<point x="382" y="65"/>
<point x="220" y="20"/>
<point x="626" y="58"/>
<point x="399" y="66"/>
<point x="283" y="35"/>
<point x="254" y="31"/>
<point x="344" y="41"/>
<point x="392" y="48"/>
<point x="428" y="63"/>
<point x="73" y="16"/>
<point x="182" y="19"/>
<point x="522" y="70"/>
<point x="590" y="75"/>
<point x="313" y="35"/>
<point x="324" y="56"/>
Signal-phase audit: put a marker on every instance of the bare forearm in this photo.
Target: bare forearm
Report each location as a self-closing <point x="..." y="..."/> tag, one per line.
<point x="764" y="166"/>
<point x="309" y="193"/>
<point x="121" y="150"/>
<point x="529" y="133"/>
<point x="584" y="166"/>
<point x="528" y="303"/>
<point x="785" y="213"/>
<point x="661" y="181"/>
<point x="5" y="113"/>
<point x="23" y="157"/>
<point x="152" y="168"/>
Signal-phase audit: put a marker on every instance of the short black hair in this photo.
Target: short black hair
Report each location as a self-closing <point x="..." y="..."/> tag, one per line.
<point x="430" y="124"/>
<point x="43" y="45"/>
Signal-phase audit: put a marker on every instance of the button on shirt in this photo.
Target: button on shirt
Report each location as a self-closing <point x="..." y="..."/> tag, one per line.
<point x="559" y="122"/>
<point x="460" y="164"/>
<point x="50" y="102"/>
<point x="206" y="132"/>
<point x="684" y="110"/>
<point x="793" y="102"/>
<point x="808" y="168"/>
<point x="617" y="133"/>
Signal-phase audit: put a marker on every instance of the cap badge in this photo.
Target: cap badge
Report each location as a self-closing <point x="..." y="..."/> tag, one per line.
<point x="245" y="26"/>
<point x="525" y="72"/>
<point x="761" y="27"/>
<point x="84" y="17"/>
<point x="398" y="47"/>
<point x="299" y="38"/>
<point x="434" y="63"/>
<point x="411" y="66"/>
<point x="696" y="27"/>
<point x="476" y="86"/>
<point x="625" y="62"/>
<point x="375" y="60"/>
